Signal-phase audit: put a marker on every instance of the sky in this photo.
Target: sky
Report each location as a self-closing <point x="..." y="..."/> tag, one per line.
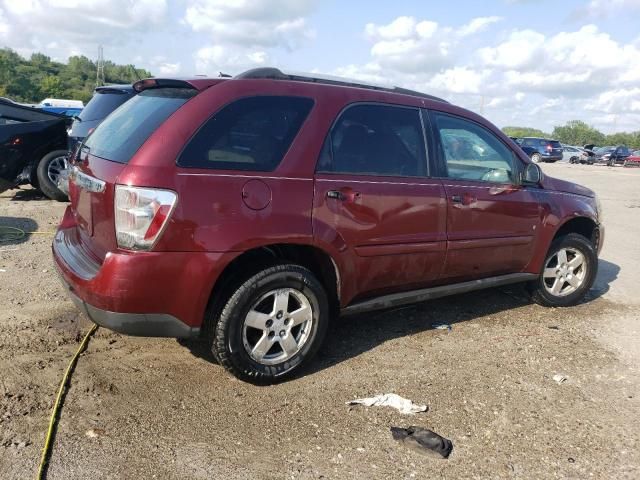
<point x="536" y="63"/>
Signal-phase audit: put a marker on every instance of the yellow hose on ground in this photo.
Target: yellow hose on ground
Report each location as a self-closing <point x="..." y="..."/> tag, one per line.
<point x="13" y="234"/>
<point x="53" y="421"/>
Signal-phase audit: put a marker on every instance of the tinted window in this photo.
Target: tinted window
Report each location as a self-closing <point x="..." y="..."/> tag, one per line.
<point x="120" y="136"/>
<point x="528" y="142"/>
<point x="249" y="134"/>
<point x="102" y="104"/>
<point x="555" y="144"/>
<point x="376" y="140"/>
<point x="472" y="152"/>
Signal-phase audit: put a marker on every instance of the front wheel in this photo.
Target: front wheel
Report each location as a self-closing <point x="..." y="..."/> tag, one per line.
<point x="50" y="167"/>
<point x="272" y="325"/>
<point x="569" y="271"/>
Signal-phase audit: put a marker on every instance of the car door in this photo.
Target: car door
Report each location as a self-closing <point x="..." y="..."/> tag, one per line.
<point x="492" y="220"/>
<point x="375" y="207"/>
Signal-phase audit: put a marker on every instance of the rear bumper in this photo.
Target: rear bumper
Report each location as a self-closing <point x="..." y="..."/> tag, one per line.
<point x="156" y="294"/>
<point x="137" y="324"/>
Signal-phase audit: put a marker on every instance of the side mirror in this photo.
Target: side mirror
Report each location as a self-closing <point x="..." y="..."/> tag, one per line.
<point x="532" y="174"/>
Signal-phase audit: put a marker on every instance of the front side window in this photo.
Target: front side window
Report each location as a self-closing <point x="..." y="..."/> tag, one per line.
<point x="376" y="140"/>
<point x="252" y="133"/>
<point x="472" y="152"/>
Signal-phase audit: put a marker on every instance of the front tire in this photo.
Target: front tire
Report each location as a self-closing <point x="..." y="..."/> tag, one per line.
<point x="272" y="325"/>
<point x="568" y="273"/>
<point x="48" y="172"/>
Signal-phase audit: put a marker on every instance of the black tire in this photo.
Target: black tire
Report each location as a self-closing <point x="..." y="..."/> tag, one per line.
<point x="536" y="158"/>
<point x="539" y="292"/>
<point x="227" y="333"/>
<point x="45" y="184"/>
<point x="573" y="160"/>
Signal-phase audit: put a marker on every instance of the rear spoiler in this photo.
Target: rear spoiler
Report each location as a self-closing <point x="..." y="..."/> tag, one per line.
<point x="148" y="83"/>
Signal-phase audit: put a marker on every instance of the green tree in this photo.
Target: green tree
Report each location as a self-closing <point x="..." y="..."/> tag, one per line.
<point x="524" y="132"/>
<point x="31" y="80"/>
<point x="577" y="132"/>
<point x="52" y="87"/>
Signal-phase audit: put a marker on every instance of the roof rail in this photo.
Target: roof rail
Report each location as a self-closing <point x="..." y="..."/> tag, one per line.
<point x="277" y="74"/>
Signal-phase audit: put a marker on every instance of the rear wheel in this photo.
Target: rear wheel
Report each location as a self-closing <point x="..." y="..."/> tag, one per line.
<point x="536" y="158"/>
<point x="49" y="169"/>
<point x="271" y="325"/>
<point x="569" y="271"/>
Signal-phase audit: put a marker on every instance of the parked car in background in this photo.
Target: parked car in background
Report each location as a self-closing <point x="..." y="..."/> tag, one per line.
<point x="612" y="155"/>
<point x="70" y="108"/>
<point x="633" y="160"/>
<point x="248" y="211"/>
<point x="104" y="101"/>
<point x="541" y="149"/>
<point x="33" y="147"/>
<point x="572" y="154"/>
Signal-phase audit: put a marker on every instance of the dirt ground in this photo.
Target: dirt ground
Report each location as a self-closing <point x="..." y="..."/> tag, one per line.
<point x="155" y="408"/>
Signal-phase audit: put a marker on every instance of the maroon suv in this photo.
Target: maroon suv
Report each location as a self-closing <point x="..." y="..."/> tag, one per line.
<point x="249" y="211"/>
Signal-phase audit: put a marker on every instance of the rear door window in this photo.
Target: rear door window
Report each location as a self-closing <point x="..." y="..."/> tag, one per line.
<point x="376" y="140"/>
<point x="252" y="133"/>
<point x="120" y="136"/>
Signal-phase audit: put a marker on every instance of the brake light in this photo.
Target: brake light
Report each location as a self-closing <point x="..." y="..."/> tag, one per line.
<point x="549" y="147"/>
<point x="141" y="215"/>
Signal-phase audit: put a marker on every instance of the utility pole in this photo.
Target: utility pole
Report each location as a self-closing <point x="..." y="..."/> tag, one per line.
<point x="100" y="65"/>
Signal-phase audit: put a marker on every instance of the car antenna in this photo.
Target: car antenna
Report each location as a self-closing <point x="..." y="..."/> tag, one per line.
<point x="223" y="75"/>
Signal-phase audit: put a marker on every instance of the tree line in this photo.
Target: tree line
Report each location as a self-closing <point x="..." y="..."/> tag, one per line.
<point x="38" y="77"/>
<point x="577" y="132"/>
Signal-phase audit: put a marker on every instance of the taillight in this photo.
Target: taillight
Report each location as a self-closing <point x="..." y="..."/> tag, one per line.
<point x="549" y="148"/>
<point x="141" y="215"/>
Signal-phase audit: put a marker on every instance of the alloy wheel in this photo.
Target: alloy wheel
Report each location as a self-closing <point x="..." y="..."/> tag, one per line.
<point x="277" y="326"/>
<point x="55" y="168"/>
<point x="564" y="272"/>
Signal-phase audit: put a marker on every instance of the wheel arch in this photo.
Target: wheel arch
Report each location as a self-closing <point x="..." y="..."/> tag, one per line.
<point x="582" y="225"/>
<point x="240" y="268"/>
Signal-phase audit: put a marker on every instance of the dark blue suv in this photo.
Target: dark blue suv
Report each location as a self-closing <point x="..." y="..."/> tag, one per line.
<point x="541" y="149"/>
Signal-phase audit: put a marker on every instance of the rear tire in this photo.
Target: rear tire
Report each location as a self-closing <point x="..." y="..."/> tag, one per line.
<point x="536" y="158"/>
<point x="48" y="171"/>
<point x="272" y="325"/>
<point x="566" y="277"/>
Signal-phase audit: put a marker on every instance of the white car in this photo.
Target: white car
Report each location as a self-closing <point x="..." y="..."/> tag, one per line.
<point x="572" y="154"/>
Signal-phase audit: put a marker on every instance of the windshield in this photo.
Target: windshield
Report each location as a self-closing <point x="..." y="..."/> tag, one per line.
<point x="102" y="104"/>
<point x="120" y="136"/>
<point x="604" y="149"/>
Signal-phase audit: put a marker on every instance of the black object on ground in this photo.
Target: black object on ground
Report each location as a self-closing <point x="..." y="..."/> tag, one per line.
<point x="423" y="440"/>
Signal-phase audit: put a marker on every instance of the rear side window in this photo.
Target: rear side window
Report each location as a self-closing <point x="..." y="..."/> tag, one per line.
<point x="252" y="133"/>
<point x="376" y="140"/>
<point x="120" y="136"/>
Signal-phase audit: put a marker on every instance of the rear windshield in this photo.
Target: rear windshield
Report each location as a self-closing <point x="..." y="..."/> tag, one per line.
<point x="120" y="136"/>
<point x="555" y="144"/>
<point x="102" y="104"/>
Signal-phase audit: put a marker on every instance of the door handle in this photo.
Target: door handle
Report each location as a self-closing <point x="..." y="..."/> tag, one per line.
<point x="463" y="200"/>
<point x="337" y="194"/>
<point x="345" y="195"/>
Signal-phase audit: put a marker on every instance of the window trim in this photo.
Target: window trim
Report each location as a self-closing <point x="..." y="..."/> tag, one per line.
<point x="348" y="106"/>
<point x="440" y="158"/>
<point x="222" y="107"/>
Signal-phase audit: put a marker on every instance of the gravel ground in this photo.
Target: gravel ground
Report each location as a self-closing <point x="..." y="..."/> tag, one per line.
<point x="155" y="408"/>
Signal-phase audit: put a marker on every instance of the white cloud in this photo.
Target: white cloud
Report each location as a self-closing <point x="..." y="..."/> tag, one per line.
<point x="520" y="76"/>
<point x="478" y="25"/>
<point x="64" y="27"/>
<point x="4" y="26"/>
<point x="241" y="31"/>
<point x="598" y="9"/>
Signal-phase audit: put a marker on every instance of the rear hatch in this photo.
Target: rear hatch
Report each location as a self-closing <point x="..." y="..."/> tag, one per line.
<point x="106" y="153"/>
<point x="554" y="148"/>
